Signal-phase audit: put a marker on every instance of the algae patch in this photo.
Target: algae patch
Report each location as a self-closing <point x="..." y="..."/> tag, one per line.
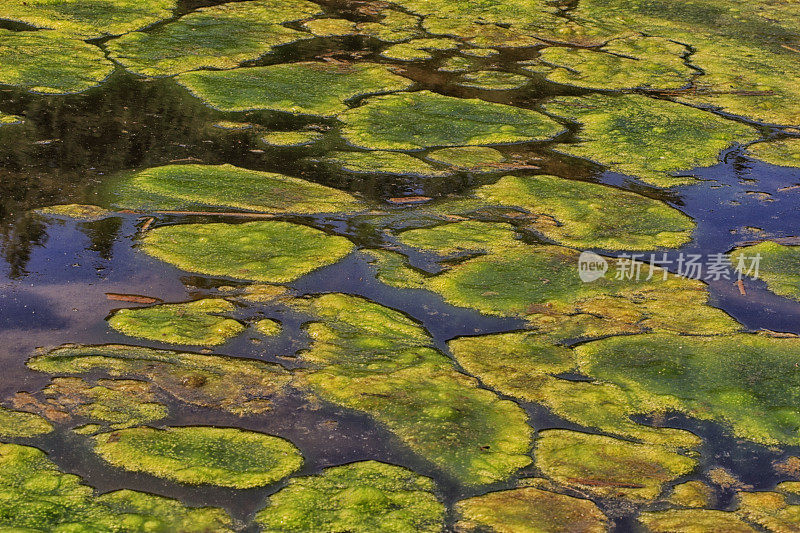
<point x="17" y="424"/>
<point x="359" y="497"/>
<point x="224" y="457"/>
<point x="778" y="266"/>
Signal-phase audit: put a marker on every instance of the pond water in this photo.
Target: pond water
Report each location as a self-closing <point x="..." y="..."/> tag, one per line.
<point x="56" y="273"/>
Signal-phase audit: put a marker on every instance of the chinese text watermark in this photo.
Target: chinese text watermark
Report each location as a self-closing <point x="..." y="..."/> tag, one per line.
<point x="645" y="267"/>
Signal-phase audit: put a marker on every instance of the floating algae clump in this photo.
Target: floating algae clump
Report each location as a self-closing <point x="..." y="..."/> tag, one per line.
<point x="608" y="467"/>
<point x="635" y="62"/>
<point x="528" y="510"/>
<point x="49" y="62"/>
<point x="693" y="520"/>
<point x="240" y="386"/>
<point x="418" y="49"/>
<point x="88" y="19"/>
<point x="748" y="381"/>
<point x="692" y="494"/>
<point x="37" y="497"/>
<point x="469" y="157"/>
<point x="86" y="213"/>
<point x="492" y="80"/>
<point x="308" y="88"/>
<point x="425" y="119"/>
<point x="197" y="323"/>
<point x="778" y="266"/>
<point x="785" y="152"/>
<point x="268" y="327"/>
<point x="225" y="457"/>
<point x="178" y="187"/>
<point x="523" y="366"/>
<point x="381" y="163"/>
<point x="576" y="213"/>
<point x="359" y="497"/>
<point x="646" y="138"/>
<point x="16" y="424"/>
<point x="459" y="237"/>
<point x="374" y="359"/>
<point x="290" y="139"/>
<point x="219" y="37"/>
<point x="9" y="120"/>
<point x="273" y="252"/>
<point x="119" y="403"/>
<point x="769" y="510"/>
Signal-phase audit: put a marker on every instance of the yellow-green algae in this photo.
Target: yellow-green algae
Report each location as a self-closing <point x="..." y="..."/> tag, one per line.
<point x="37" y="497"/>
<point x="695" y="494"/>
<point x="425" y="119"/>
<point x="272" y="252"/>
<point x="393" y="27"/>
<point x="239" y="386"/>
<point x="608" y="467"/>
<point x="9" y="120"/>
<point x="226" y="457"/>
<point x="493" y="80"/>
<point x="180" y="187"/>
<point x="310" y="88"/>
<point x="86" y="213"/>
<point x="693" y="521"/>
<point x="628" y="63"/>
<point x="49" y="62"/>
<point x="17" y="424"/>
<point x="461" y="237"/>
<point x="769" y="510"/>
<point x="418" y="49"/>
<point x="469" y="157"/>
<point x="219" y="37"/>
<point x="119" y="403"/>
<point x="290" y="138"/>
<point x="785" y="153"/>
<point x="373" y="359"/>
<point x="523" y="366"/>
<point x="379" y="162"/>
<point x="457" y="64"/>
<point x="528" y="510"/>
<point x="779" y="266"/>
<point x="197" y="323"/>
<point x="359" y="497"/>
<point x="747" y="381"/>
<point x="392" y="269"/>
<point x="647" y="138"/>
<point x="88" y="18"/>
<point x="589" y="215"/>
<point x="268" y="327"/>
<point x="331" y="27"/>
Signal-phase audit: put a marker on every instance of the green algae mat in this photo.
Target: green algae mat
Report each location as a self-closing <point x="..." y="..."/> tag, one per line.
<point x="399" y="266"/>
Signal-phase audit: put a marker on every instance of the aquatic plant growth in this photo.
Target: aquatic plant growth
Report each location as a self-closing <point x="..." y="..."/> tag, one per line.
<point x="777" y="266"/>
<point x="359" y="497"/>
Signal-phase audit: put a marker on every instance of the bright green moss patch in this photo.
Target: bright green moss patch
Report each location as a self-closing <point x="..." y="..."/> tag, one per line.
<point x="16" y="424"/>
<point x="692" y="520"/>
<point x="634" y="62"/>
<point x="392" y="269"/>
<point x="290" y="139"/>
<point x="785" y="153"/>
<point x="469" y="157"/>
<point x="196" y="323"/>
<point x="273" y="252"/>
<point x="88" y="18"/>
<point x="529" y="510"/>
<point x="118" y="403"/>
<point x="239" y="386"/>
<point x="779" y="266"/>
<point x="589" y="215"/>
<point x="179" y="187"/>
<point x="461" y="237"/>
<point x="493" y="80"/>
<point x="747" y="381"/>
<point x="86" y="213"/>
<point x="418" y="49"/>
<point x="268" y="327"/>
<point x="646" y="138"/>
<point x="359" y="497"/>
<point x="219" y="37"/>
<point x="307" y="88"/>
<point x="374" y="359"/>
<point x="608" y="467"/>
<point x="37" y="497"/>
<point x="523" y="365"/>
<point x="692" y="494"/>
<point x="425" y="119"/>
<point x="382" y="163"/>
<point x="225" y="457"/>
<point x="49" y="62"/>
